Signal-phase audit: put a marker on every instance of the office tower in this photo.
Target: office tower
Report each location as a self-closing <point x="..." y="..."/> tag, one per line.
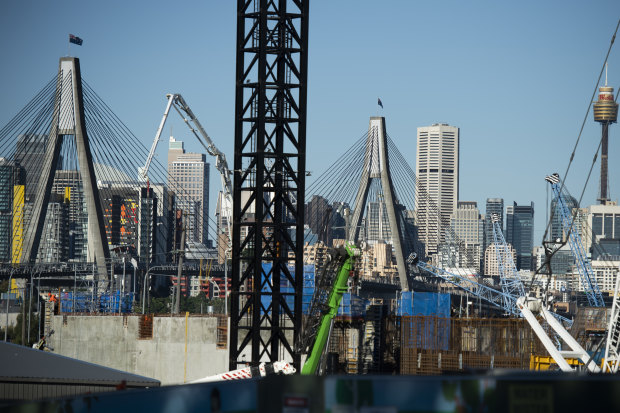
<point x="437" y="171"/>
<point x="188" y="177"/>
<point x="78" y="215"/>
<point x="11" y="208"/>
<point x="605" y="239"/>
<point x="605" y="113"/>
<point x="467" y="224"/>
<point x="30" y="154"/>
<point x="557" y="230"/>
<point x="494" y="206"/>
<point x="120" y="213"/>
<point x="147" y="246"/>
<point x="520" y="233"/>
<point x="317" y="216"/>
<point x="491" y="259"/>
<point x="54" y="245"/>
<point x="377" y="225"/>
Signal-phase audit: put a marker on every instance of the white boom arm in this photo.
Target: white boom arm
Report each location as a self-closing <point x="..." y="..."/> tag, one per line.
<point x="528" y="306"/>
<point x="612" y="348"/>
<point x="194" y="125"/>
<point x="262" y="370"/>
<point x="144" y="171"/>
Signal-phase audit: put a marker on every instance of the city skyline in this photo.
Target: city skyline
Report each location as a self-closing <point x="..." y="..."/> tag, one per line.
<point x="551" y="49"/>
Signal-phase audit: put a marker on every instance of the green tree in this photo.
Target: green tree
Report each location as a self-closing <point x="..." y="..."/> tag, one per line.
<point x="14" y="333"/>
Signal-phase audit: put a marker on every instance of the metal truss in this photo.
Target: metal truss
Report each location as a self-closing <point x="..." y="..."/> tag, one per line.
<point x="593" y="293"/>
<point x="269" y="181"/>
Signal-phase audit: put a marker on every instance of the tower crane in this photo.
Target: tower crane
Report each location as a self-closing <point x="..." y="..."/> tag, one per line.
<point x="586" y="274"/>
<point x="180" y="105"/>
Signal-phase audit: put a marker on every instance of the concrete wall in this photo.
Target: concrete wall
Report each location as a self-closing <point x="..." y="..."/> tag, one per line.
<point x="112" y="341"/>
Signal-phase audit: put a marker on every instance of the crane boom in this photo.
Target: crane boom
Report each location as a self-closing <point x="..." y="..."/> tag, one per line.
<point x="180" y="105"/>
<point x="510" y="280"/>
<point x="593" y="293"/>
<point x="329" y="308"/>
<point x="612" y="347"/>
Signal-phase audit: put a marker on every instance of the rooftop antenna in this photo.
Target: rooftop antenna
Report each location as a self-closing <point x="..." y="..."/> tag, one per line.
<point x="605" y="73"/>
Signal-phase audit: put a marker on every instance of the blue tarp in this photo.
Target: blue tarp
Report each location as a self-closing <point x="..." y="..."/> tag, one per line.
<point x="433" y="331"/>
<point x="287" y="288"/>
<point x="106" y="303"/>
<point x="352" y="306"/>
<point x="420" y="303"/>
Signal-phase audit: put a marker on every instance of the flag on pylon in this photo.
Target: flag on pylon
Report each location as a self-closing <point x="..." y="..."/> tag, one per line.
<point x="75" y="40"/>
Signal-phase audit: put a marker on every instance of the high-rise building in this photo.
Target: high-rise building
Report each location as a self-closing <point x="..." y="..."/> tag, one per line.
<point x="557" y="230"/>
<point x="147" y="245"/>
<point x="30" y="154"/>
<point x="467" y="224"/>
<point x="121" y="216"/>
<point x="188" y="177"/>
<point x="491" y="259"/>
<point x="494" y="206"/>
<point x="377" y="225"/>
<point x="11" y="177"/>
<point x="78" y="215"/>
<point x="437" y="192"/>
<point x="605" y="238"/>
<point x="317" y="215"/>
<point x="54" y="245"/>
<point x="520" y="233"/>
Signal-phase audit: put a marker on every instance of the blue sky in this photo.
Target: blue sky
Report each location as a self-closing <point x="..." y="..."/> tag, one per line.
<point x="516" y="77"/>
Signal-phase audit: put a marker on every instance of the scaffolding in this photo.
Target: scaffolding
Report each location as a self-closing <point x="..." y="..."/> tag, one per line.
<point x="432" y="345"/>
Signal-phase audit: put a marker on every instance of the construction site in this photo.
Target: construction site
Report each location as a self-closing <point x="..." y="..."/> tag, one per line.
<point x="371" y="288"/>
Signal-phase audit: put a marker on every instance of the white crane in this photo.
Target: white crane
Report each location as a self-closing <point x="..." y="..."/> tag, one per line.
<point x="176" y="100"/>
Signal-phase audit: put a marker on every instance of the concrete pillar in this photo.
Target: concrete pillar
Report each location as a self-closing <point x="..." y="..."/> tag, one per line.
<point x="69" y="120"/>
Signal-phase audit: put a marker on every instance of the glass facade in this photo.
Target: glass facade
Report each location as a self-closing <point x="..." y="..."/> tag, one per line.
<point x="520" y="233"/>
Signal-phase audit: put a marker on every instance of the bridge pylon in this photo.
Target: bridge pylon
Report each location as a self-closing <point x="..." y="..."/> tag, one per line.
<point x="68" y="120"/>
<point x="377" y="167"/>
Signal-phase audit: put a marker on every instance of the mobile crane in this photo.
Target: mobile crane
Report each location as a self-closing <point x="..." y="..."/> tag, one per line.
<point x="326" y="300"/>
<point x="324" y="306"/>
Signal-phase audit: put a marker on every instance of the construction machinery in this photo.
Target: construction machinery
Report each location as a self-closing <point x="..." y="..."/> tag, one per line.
<point x="509" y="277"/>
<point x="176" y="101"/>
<point x="332" y="284"/>
<point x="582" y="262"/>
<point x="262" y="370"/>
<point x="611" y="361"/>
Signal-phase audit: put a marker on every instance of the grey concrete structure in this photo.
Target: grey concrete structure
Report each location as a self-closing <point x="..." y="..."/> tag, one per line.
<point x="377" y="166"/>
<point x="178" y="350"/>
<point x="69" y="120"/>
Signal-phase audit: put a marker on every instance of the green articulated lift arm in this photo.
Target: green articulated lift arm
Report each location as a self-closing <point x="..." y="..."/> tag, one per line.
<point x="330" y="308"/>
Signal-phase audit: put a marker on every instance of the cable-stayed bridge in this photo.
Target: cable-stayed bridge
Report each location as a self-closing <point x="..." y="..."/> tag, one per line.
<point x="71" y="193"/>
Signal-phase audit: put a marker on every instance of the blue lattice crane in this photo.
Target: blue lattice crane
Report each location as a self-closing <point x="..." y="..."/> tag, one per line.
<point x="491" y="295"/>
<point x="586" y="274"/>
<point x="532" y="309"/>
<point x="509" y="277"/>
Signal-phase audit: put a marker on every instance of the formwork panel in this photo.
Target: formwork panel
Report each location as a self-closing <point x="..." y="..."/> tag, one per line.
<point x="433" y="345"/>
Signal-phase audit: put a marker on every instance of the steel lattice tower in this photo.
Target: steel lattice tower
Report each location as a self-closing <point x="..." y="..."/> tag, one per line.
<point x="269" y="180"/>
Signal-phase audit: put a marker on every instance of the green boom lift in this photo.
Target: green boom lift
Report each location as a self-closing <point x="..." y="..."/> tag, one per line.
<point x="325" y="302"/>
